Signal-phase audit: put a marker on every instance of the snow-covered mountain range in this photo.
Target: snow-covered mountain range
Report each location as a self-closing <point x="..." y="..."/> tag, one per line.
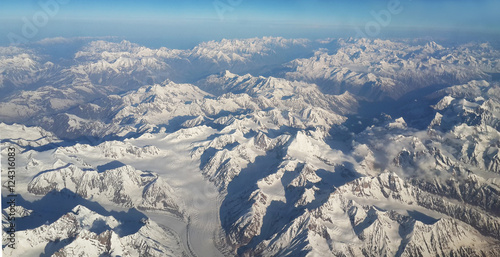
<point x="254" y="147"/>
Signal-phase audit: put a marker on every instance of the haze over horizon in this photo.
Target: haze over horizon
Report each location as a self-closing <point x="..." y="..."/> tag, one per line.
<point x="187" y="23"/>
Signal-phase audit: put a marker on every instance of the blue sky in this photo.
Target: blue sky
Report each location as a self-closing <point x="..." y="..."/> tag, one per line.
<point x="186" y="22"/>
